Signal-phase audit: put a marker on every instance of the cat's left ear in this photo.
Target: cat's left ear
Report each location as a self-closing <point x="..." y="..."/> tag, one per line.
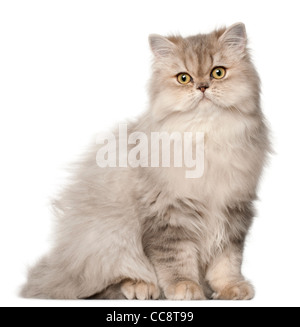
<point x="161" y="46"/>
<point x="235" y="37"/>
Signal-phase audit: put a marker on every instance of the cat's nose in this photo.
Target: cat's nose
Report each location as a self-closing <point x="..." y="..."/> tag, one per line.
<point x="203" y="87"/>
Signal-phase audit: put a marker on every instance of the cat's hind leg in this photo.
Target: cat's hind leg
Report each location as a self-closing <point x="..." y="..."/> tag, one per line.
<point x="129" y="289"/>
<point x="97" y="260"/>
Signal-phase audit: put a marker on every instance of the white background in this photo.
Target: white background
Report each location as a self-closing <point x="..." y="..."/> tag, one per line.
<point x="69" y="69"/>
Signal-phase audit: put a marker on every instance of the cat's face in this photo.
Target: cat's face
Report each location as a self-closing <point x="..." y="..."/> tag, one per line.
<point x="203" y="73"/>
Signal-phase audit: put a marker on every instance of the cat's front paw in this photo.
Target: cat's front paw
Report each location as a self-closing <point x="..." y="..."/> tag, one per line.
<point x="139" y="290"/>
<point x="185" y="290"/>
<point x="236" y="291"/>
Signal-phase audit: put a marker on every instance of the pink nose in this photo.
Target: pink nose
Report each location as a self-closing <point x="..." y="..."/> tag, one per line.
<point x="203" y="88"/>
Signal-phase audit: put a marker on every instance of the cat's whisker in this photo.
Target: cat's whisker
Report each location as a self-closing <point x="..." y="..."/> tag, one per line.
<point x="234" y="109"/>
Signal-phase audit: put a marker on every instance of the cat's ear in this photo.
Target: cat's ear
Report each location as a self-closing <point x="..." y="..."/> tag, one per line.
<point x="235" y="37"/>
<point x="161" y="46"/>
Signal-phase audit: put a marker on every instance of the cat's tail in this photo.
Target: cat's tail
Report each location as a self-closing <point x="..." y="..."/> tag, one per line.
<point x="36" y="286"/>
<point x="48" y="281"/>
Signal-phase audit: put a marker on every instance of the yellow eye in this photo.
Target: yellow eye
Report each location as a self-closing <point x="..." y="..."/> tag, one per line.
<point x="218" y="73"/>
<point x="184" y="78"/>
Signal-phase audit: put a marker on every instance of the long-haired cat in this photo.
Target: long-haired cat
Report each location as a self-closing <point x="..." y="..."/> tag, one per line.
<point x="150" y="233"/>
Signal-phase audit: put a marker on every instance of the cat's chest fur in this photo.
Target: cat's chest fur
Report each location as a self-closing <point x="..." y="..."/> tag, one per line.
<point x="230" y="163"/>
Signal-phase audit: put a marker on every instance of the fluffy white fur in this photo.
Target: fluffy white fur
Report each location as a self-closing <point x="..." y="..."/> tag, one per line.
<point x="108" y="219"/>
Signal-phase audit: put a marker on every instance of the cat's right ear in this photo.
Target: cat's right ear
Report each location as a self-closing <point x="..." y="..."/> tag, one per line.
<point x="161" y="46"/>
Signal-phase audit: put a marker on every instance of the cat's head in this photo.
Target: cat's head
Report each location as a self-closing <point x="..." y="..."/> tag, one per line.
<point x="203" y="73"/>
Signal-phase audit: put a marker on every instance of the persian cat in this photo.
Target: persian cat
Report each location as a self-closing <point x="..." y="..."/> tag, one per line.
<point x="152" y="233"/>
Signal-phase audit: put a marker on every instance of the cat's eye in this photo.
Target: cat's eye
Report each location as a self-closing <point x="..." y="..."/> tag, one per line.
<point x="218" y="73"/>
<point x="184" y="78"/>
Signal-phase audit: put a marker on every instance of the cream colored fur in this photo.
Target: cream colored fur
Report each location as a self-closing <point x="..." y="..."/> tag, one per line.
<point x="126" y="226"/>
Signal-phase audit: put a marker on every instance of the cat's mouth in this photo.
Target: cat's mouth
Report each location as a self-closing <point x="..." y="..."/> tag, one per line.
<point x="205" y="98"/>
